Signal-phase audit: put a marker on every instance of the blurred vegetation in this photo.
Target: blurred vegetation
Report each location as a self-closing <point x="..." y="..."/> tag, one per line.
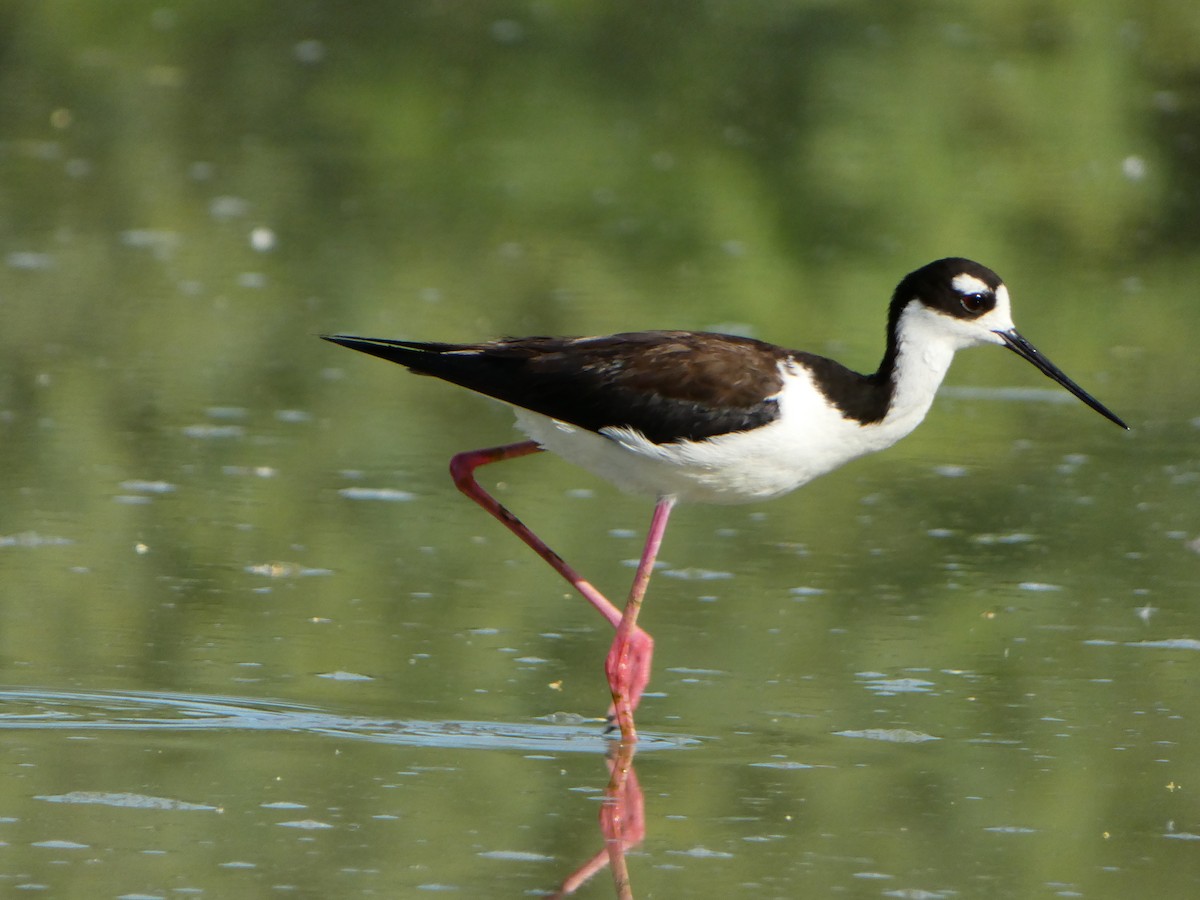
<point x="189" y="192"/>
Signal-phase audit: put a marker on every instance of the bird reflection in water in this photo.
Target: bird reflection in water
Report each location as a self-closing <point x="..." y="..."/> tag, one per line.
<point x="622" y="825"/>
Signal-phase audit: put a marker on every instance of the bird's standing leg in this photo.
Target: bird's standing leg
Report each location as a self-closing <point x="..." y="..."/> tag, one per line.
<point x="628" y="661"/>
<point x="631" y="664"/>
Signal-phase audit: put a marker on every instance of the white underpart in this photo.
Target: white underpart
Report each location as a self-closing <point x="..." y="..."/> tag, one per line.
<point x="809" y="438"/>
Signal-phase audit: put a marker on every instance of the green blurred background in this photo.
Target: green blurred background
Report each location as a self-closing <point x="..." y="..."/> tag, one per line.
<point x="193" y="488"/>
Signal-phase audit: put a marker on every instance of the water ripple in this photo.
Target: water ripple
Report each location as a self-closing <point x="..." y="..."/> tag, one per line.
<point x="155" y="711"/>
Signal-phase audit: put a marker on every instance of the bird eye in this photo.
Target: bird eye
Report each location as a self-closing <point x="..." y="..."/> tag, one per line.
<point x="976" y="303"/>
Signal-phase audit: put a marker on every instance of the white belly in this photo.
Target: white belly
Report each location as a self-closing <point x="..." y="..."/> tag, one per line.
<point x="808" y="439"/>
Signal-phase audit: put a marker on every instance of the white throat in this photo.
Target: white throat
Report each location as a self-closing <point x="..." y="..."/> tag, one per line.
<point x="926" y="341"/>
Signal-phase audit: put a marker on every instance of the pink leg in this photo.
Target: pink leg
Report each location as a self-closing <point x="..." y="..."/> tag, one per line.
<point x="628" y="661"/>
<point x="630" y="665"/>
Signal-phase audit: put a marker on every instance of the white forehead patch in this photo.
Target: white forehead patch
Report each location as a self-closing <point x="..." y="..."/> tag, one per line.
<point x="969" y="284"/>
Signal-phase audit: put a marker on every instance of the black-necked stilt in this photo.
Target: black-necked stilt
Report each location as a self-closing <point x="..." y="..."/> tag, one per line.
<point x="712" y="417"/>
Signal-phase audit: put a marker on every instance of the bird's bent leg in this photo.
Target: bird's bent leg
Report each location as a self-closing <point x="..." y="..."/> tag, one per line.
<point x="628" y="661"/>
<point x="462" y="470"/>
<point x="627" y="666"/>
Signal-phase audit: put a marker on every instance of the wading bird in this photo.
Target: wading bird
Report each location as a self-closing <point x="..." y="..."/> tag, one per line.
<point x="694" y="416"/>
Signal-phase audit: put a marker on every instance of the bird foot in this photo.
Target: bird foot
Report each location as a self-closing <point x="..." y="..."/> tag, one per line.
<point x="628" y="667"/>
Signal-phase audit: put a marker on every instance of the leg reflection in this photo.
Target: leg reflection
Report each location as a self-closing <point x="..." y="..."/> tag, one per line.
<point x="622" y="823"/>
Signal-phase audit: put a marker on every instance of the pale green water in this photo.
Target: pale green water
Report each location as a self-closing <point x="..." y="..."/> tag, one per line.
<point x="253" y="642"/>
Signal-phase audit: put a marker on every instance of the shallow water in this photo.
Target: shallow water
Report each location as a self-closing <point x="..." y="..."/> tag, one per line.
<point x="256" y="644"/>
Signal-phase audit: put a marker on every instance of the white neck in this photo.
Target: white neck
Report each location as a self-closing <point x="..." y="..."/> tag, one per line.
<point x="920" y="366"/>
<point x="926" y="341"/>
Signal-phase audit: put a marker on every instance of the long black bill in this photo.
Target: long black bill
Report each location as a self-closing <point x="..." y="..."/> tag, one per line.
<point x="1027" y="351"/>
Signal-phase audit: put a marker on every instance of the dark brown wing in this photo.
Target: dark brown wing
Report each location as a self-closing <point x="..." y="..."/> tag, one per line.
<point x="669" y="385"/>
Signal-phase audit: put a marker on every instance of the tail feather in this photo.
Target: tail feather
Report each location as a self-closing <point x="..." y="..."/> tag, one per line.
<point x="526" y="372"/>
<point x="469" y="365"/>
<point x="418" y="356"/>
